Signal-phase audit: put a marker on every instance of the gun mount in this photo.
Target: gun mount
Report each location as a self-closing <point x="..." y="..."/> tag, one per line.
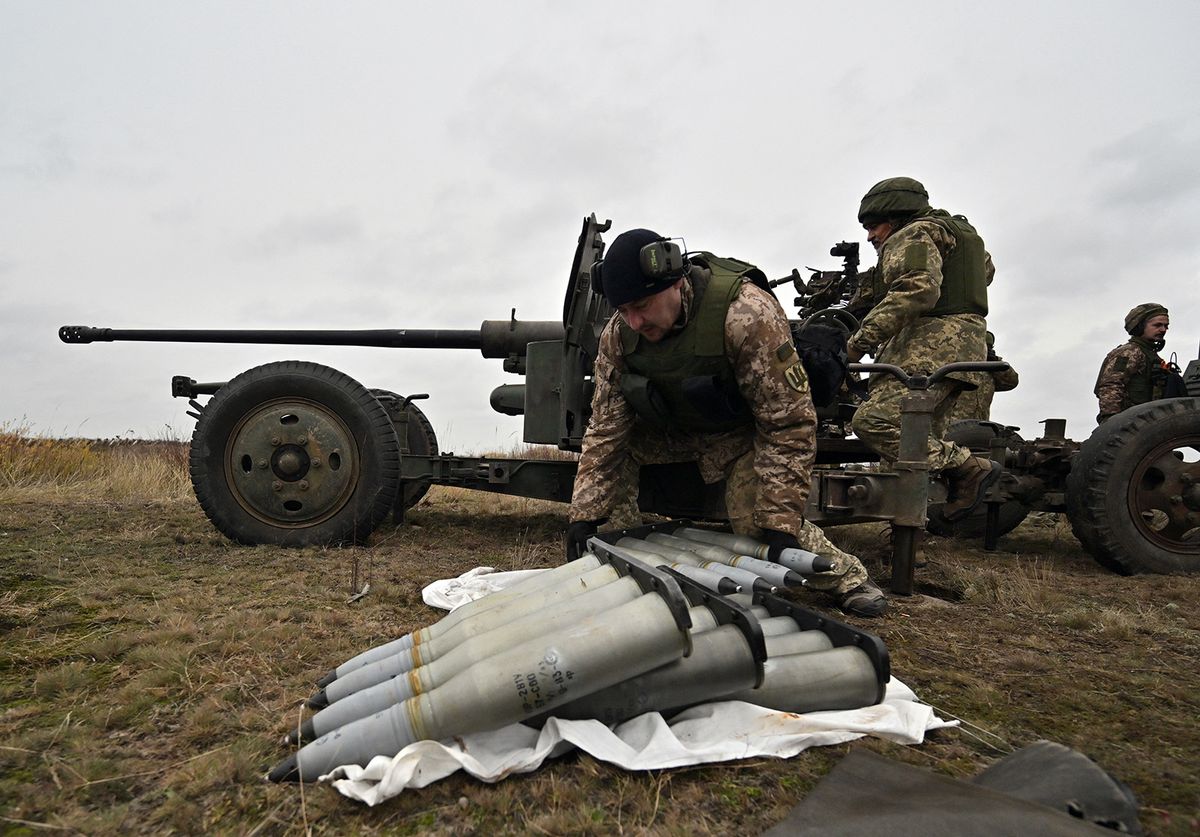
<point x="295" y="453"/>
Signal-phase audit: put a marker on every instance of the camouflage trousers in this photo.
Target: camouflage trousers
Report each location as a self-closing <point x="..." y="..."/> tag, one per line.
<point x="977" y="403"/>
<point x="877" y="422"/>
<point x="741" y="489"/>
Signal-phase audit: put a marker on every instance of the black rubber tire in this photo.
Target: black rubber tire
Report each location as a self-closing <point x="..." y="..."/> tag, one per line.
<point x="351" y="461"/>
<point x="1132" y="488"/>
<point x="977" y="435"/>
<point x="422" y="441"/>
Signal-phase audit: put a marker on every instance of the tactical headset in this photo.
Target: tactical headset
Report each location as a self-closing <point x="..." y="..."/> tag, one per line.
<point x="657" y="260"/>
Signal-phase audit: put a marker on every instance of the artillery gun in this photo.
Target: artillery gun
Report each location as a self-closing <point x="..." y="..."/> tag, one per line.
<point x="295" y="453"/>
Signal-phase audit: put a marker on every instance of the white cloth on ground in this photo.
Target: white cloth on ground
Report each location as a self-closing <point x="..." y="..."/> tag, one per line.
<point x="708" y="733"/>
<point x="449" y="593"/>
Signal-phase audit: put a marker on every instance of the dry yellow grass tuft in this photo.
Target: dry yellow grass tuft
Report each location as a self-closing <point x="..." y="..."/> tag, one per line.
<point x="114" y="469"/>
<point x="27" y="460"/>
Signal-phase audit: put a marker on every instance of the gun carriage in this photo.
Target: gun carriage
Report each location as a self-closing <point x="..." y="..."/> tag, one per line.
<point x="295" y="453"/>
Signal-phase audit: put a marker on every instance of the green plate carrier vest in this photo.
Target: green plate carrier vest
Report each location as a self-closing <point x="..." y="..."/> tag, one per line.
<point x="684" y="381"/>
<point x="1148" y="385"/>
<point x="964" y="277"/>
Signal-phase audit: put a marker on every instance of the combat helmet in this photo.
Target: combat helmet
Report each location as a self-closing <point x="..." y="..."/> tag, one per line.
<point x="894" y="198"/>
<point x="1136" y="319"/>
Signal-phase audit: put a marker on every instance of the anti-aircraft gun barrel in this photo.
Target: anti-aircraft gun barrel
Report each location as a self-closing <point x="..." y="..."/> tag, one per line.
<point x="494" y="338"/>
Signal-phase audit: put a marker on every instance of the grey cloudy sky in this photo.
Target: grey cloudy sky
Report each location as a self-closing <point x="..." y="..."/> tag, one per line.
<point x="421" y="165"/>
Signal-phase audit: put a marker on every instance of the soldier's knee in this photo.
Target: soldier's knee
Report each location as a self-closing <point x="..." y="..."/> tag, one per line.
<point x="868" y="423"/>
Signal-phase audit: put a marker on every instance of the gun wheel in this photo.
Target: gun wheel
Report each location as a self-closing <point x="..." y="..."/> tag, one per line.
<point x="977" y="435"/>
<point x="295" y="454"/>
<point x="1133" y="493"/>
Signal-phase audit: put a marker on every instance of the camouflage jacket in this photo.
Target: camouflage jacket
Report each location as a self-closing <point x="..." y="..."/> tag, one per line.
<point x="895" y="328"/>
<point x="782" y="431"/>
<point x="1126" y="370"/>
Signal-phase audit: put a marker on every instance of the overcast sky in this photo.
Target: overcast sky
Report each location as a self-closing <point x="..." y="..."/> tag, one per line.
<point x="427" y="165"/>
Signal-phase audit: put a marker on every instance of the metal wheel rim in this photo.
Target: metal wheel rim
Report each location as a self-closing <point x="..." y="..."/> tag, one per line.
<point x="1164" y="497"/>
<point x="291" y="463"/>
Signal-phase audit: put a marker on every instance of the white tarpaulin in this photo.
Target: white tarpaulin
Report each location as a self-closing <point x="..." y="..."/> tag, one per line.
<point x="709" y="733"/>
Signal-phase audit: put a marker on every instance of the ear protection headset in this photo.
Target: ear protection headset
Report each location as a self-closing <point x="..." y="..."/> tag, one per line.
<point x="657" y="261"/>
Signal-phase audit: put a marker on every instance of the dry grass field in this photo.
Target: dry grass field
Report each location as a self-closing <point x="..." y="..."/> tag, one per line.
<point x="148" y="667"/>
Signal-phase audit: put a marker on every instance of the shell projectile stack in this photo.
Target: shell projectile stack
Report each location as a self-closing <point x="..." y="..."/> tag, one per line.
<point x="650" y="619"/>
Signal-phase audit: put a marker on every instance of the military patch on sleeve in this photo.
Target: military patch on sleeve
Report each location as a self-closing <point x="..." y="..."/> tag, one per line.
<point x="916" y="257"/>
<point x="1120" y="364"/>
<point x="785" y="352"/>
<point x="796" y="378"/>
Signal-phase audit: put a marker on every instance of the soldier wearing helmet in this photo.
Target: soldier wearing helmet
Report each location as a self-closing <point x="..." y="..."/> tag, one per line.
<point x="1133" y="373"/>
<point x="699" y="365"/>
<point x="929" y="306"/>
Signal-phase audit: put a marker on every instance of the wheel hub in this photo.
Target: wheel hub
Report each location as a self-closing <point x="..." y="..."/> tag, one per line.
<point x="1164" y="495"/>
<point x="291" y="462"/>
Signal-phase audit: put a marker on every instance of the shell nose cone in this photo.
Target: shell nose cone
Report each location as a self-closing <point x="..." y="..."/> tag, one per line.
<point x="287" y="770"/>
<point x="304" y="734"/>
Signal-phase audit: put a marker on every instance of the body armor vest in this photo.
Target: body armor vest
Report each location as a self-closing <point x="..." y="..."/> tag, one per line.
<point x="685" y="381"/>
<point x="1149" y="384"/>
<point x="964" y="277"/>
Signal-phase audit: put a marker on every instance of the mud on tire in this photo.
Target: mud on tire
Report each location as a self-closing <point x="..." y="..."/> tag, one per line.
<point x="1133" y="492"/>
<point x="294" y="454"/>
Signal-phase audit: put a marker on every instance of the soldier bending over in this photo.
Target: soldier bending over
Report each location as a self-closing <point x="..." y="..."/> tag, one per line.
<point x="701" y="366"/>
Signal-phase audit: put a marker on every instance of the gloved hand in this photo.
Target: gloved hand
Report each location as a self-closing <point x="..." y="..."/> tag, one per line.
<point x="778" y="542"/>
<point x="577" y="536"/>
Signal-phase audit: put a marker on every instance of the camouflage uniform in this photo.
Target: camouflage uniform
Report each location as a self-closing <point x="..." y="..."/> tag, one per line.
<point x="767" y="464"/>
<point x="977" y="403"/>
<point x="1121" y="371"/>
<point x="896" y="331"/>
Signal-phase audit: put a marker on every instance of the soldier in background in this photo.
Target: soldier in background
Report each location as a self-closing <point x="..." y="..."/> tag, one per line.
<point x="700" y="366"/>
<point x="927" y="309"/>
<point x="977" y="403"/>
<point x="1133" y="373"/>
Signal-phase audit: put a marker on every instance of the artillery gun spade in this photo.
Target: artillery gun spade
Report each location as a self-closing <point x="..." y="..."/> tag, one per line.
<point x="294" y="453"/>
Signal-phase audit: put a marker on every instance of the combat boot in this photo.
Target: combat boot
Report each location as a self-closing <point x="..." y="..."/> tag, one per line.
<point x="968" y="483"/>
<point x="864" y="600"/>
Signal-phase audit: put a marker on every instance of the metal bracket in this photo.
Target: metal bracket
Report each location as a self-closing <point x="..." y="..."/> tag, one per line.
<point x="728" y="613"/>
<point x="649" y="579"/>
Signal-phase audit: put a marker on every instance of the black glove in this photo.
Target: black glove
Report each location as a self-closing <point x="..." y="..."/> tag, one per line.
<point x="577" y="537"/>
<point x="778" y="542"/>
